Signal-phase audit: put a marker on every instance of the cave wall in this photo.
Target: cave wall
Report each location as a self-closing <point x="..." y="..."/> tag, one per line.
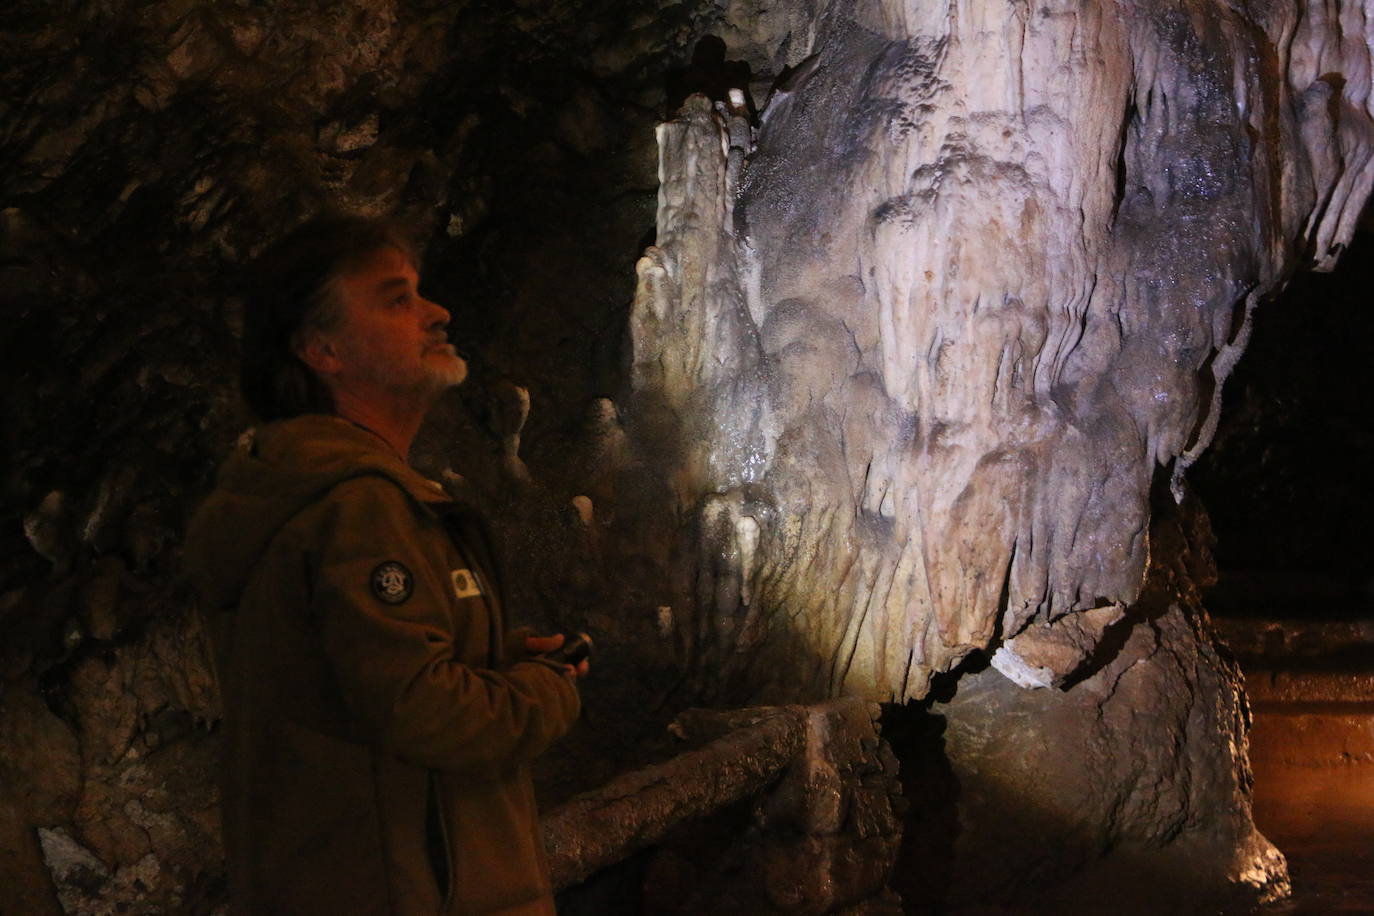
<point x="1135" y="782"/>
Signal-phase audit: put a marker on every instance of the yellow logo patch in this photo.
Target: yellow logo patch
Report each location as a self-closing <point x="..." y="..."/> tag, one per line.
<point x="465" y="584"/>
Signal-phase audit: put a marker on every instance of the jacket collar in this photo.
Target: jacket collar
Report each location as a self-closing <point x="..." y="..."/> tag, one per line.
<point x="326" y="440"/>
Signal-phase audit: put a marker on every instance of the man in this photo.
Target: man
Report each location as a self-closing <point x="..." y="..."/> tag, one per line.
<point x="377" y="724"/>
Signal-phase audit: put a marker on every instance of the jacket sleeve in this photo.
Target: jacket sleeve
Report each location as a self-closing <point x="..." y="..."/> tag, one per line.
<point x="399" y="664"/>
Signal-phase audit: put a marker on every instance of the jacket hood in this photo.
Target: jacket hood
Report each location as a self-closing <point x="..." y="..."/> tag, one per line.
<point x="272" y="474"/>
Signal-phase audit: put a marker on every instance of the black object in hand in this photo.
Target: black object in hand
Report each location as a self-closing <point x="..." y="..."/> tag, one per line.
<point x="573" y="650"/>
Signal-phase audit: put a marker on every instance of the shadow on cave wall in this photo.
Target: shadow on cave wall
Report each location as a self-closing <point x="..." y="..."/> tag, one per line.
<point x="1286" y="480"/>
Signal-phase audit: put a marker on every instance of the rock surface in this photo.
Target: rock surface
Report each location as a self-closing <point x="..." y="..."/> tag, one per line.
<point x="1137" y="778"/>
<point x="1313" y="757"/>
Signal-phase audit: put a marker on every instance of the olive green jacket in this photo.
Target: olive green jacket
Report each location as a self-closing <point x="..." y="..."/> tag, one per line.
<point x="375" y="741"/>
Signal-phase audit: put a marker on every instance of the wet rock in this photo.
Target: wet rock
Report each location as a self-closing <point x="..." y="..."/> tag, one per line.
<point x="45" y="528"/>
<point x="100" y="599"/>
<point x="87" y="887"/>
<point x="945" y="329"/>
<point x="70" y="862"/>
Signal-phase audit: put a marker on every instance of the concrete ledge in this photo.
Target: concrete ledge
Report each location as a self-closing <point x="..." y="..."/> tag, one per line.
<point x="824" y="779"/>
<point x="1310" y="686"/>
<point x="604" y="826"/>
<point x="1313" y="736"/>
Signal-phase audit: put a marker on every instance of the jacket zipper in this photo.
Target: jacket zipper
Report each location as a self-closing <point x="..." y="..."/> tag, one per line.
<point x="436" y="796"/>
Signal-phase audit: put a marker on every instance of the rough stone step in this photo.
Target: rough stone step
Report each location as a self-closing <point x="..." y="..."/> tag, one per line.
<point x="1310" y="685"/>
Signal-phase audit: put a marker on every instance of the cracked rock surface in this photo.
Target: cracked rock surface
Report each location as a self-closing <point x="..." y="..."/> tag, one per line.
<point x="1137" y="779"/>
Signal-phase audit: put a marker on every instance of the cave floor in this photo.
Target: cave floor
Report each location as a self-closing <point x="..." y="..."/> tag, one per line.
<point x="1311" y="685"/>
<point x="1323" y="820"/>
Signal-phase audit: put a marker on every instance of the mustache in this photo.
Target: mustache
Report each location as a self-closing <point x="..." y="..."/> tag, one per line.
<point x="442" y="339"/>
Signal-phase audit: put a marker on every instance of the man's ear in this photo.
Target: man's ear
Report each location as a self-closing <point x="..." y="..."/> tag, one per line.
<point x="317" y="350"/>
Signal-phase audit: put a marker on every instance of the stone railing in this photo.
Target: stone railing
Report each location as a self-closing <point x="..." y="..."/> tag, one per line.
<point x="820" y="832"/>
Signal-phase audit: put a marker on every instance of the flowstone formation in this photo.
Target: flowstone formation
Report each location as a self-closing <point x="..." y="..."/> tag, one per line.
<point x="918" y="345"/>
<point x="925" y="337"/>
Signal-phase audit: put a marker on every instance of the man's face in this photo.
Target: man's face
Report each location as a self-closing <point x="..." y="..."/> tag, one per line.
<point x="391" y="340"/>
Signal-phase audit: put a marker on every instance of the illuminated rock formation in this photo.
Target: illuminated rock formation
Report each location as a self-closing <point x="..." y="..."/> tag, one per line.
<point x="928" y="336"/>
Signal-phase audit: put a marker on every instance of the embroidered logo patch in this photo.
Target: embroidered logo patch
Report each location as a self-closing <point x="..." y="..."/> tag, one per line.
<point x="465" y="584"/>
<point x="392" y="582"/>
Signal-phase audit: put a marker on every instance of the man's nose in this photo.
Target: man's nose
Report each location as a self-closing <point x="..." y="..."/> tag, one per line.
<point x="435" y="314"/>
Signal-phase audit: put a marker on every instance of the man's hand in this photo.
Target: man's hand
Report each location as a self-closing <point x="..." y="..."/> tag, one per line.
<point x="540" y="645"/>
